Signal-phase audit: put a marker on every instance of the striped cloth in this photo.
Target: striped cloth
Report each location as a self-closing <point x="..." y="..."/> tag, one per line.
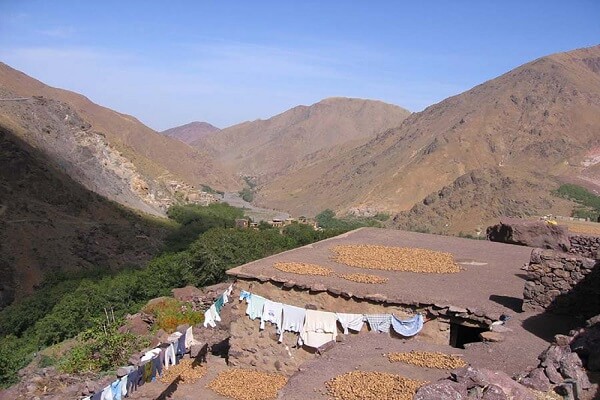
<point x="379" y="322"/>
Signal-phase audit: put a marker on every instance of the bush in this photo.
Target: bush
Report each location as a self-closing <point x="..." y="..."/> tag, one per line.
<point x="101" y="348"/>
<point x="15" y="353"/>
<point x="590" y="203"/>
<point x="171" y="313"/>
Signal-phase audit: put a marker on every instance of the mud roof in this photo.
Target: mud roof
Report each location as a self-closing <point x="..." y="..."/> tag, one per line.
<point x="491" y="279"/>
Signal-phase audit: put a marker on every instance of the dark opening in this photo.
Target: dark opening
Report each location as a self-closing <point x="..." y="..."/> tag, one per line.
<point x="461" y="335"/>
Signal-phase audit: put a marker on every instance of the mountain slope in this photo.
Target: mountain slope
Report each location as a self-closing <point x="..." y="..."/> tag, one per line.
<point x="49" y="223"/>
<point x="158" y="160"/>
<point x="300" y="136"/>
<point x="541" y="118"/>
<point x="191" y="132"/>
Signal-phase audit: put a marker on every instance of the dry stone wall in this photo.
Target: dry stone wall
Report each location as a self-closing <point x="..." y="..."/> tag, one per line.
<point x="562" y="283"/>
<point x="585" y="246"/>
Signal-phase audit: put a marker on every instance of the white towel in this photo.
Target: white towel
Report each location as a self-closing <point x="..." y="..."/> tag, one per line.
<point x="293" y="319"/>
<point x="319" y="328"/>
<point x="211" y="317"/>
<point x="272" y="312"/>
<point x="351" y="321"/>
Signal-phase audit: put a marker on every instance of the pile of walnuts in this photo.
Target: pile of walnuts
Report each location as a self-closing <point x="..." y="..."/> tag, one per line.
<point x="428" y="359"/>
<point x="389" y="258"/>
<point x="247" y="384"/>
<point x="362" y="385"/>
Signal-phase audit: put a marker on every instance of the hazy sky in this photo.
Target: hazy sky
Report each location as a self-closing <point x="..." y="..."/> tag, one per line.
<point x="224" y="62"/>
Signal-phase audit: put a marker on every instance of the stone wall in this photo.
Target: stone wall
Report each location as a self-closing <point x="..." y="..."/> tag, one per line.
<point x="585" y="246"/>
<point x="562" y="283"/>
<point x="251" y="347"/>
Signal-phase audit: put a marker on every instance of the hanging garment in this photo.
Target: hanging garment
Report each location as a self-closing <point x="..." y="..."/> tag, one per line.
<point x="293" y="319"/>
<point x="320" y="327"/>
<point x="189" y="338"/>
<point x="116" y="389"/>
<point x="157" y="367"/>
<point x="219" y="302"/>
<point x="170" y="359"/>
<point x="107" y="393"/>
<point x="133" y="379"/>
<point x="408" y="327"/>
<point x="181" y="345"/>
<point x="227" y="293"/>
<point x="124" y="383"/>
<point x="211" y="317"/>
<point x="379" y="322"/>
<point x="244" y="295"/>
<point x="351" y="321"/>
<point x="255" y="306"/>
<point x="272" y="312"/>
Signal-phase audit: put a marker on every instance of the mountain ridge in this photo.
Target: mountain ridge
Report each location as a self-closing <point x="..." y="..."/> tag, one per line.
<point x="190" y="132"/>
<point x="529" y="113"/>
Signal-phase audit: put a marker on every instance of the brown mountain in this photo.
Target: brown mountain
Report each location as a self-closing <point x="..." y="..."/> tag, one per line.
<point x="49" y="223"/>
<point x="522" y="132"/>
<point x="111" y="153"/>
<point x="191" y="132"/>
<point x="300" y="136"/>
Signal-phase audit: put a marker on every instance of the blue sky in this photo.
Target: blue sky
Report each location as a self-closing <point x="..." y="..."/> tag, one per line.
<point x="224" y="62"/>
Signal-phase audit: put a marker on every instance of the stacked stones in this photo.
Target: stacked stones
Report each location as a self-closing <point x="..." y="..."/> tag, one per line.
<point x="585" y="246"/>
<point x="556" y="282"/>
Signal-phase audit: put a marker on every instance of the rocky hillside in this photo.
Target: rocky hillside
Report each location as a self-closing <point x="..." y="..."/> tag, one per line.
<point x="301" y="136"/>
<point x="50" y="223"/>
<point x="85" y="139"/>
<point x="541" y="119"/>
<point x="191" y="132"/>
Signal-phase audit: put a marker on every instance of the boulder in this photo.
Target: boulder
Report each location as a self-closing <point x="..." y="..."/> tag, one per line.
<point x="187" y="293"/>
<point x="536" y="380"/>
<point x="472" y="377"/>
<point x="490" y="336"/>
<point x="493" y="392"/>
<point x="530" y="233"/>
<point x="442" y="390"/>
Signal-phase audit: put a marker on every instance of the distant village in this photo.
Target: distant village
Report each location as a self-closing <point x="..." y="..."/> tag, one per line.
<point x="247" y="223"/>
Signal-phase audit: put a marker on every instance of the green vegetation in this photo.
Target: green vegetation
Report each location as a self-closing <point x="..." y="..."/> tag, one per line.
<point x="171" y="313"/>
<point x="589" y="202"/>
<point x="202" y="246"/>
<point x="208" y="189"/>
<point x="328" y="220"/>
<point x="101" y="348"/>
<point x="247" y="193"/>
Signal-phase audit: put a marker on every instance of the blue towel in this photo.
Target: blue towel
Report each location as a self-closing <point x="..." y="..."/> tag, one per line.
<point x="408" y="327"/>
<point x="245" y="296"/>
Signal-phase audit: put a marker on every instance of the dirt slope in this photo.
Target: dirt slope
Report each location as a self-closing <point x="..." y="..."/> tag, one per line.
<point x="50" y="223"/>
<point x="300" y="136"/>
<point x="542" y="119"/>
<point x="155" y="157"/>
<point x="191" y="132"/>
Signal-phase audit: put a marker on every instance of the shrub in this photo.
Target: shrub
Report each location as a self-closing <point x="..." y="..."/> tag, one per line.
<point x="171" y="313"/>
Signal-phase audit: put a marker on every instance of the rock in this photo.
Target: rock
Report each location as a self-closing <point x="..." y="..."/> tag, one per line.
<point x="493" y="392"/>
<point x="553" y="375"/>
<point x="186" y="294"/>
<point x="472" y="377"/>
<point x="134" y="359"/>
<point x="442" y="390"/>
<point x="562" y="340"/>
<point x="500" y="329"/>
<point x="490" y="336"/>
<point x="530" y="233"/>
<point x="318" y="287"/>
<point x="135" y="324"/>
<point x="536" y="380"/>
<point x="121" y="372"/>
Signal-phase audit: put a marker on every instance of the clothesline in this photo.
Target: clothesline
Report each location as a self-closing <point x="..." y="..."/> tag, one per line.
<point x="154" y="361"/>
<point x="315" y="328"/>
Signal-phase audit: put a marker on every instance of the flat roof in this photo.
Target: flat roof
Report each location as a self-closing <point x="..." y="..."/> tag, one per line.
<point x="492" y="275"/>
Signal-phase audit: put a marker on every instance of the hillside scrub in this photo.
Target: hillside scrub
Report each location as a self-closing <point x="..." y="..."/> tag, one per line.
<point x="201" y="249"/>
<point x="327" y="219"/>
<point x="590" y="203"/>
